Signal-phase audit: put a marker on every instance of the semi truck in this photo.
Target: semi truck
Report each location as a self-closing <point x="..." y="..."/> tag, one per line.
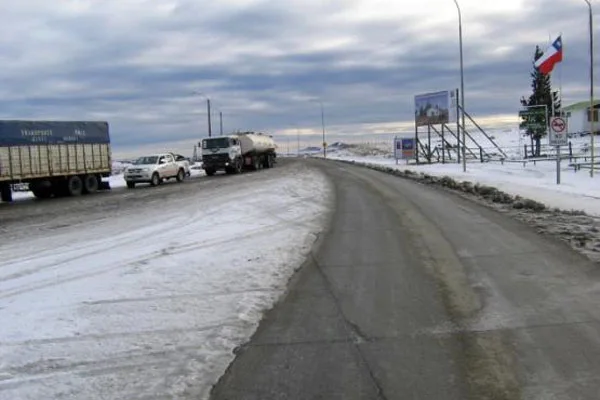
<point x="55" y="158"/>
<point x="238" y="152"/>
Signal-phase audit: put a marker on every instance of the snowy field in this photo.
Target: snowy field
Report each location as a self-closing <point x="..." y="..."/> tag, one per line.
<point x="537" y="181"/>
<point x="152" y="304"/>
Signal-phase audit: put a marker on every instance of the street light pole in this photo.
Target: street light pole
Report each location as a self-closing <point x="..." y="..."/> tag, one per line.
<point x="591" y="24"/>
<point x="323" y="126"/>
<point x="462" y="86"/>
<point x="209" y="123"/>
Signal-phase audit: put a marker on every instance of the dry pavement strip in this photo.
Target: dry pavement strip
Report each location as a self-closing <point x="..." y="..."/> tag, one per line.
<point x="416" y="293"/>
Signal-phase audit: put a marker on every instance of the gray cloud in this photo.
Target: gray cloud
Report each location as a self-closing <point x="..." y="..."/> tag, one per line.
<point x="136" y="64"/>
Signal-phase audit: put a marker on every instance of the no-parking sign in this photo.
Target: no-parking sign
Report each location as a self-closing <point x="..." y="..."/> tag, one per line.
<point x="558" y="132"/>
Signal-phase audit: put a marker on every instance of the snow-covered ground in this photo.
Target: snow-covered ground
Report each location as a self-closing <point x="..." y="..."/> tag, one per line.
<point x="577" y="191"/>
<point x="152" y="305"/>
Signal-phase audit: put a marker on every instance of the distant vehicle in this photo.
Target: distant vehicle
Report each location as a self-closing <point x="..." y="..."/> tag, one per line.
<point x="154" y="169"/>
<point x="237" y="152"/>
<point x="54" y="158"/>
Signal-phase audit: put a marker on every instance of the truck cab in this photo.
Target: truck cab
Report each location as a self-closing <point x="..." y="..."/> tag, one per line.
<point x="223" y="153"/>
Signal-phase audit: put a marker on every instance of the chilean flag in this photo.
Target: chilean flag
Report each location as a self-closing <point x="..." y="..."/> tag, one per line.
<point x="552" y="55"/>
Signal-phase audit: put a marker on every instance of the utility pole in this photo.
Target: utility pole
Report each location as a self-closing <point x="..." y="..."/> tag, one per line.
<point x="591" y="25"/>
<point x="209" y="123"/>
<point x="298" y="140"/>
<point x="221" y="121"/>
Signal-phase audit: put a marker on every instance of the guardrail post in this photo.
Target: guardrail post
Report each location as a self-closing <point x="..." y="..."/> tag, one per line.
<point x="525" y="148"/>
<point x="481" y="153"/>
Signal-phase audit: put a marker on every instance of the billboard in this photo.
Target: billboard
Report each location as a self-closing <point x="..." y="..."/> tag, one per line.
<point x="436" y="108"/>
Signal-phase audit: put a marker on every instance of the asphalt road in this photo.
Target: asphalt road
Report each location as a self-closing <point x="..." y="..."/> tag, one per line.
<point x="416" y="293"/>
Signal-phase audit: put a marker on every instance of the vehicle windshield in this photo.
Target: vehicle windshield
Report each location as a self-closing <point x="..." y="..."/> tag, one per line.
<point x="146" y="160"/>
<point x="215" y="143"/>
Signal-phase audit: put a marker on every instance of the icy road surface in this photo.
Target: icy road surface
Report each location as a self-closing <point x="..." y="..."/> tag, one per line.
<point x="146" y="293"/>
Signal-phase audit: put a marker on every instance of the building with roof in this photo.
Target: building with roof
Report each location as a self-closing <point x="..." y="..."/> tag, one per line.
<point x="578" y="117"/>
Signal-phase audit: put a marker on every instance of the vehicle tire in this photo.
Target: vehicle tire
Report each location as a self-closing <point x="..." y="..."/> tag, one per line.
<point x="256" y="166"/>
<point x="6" y="193"/>
<point x="155" y="179"/>
<point x="42" y="193"/>
<point x="130" y="185"/>
<point x="180" y="175"/>
<point x="74" y="186"/>
<point x="238" y="167"/>
<point x="42" y="189"/>
<point x="90" y="184"/>
<point x="268" y="161"/>
<point x="271" y="161"/>
<point x="209" y="171"/>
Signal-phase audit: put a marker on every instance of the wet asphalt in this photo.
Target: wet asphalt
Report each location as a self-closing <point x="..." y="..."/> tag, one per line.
<point x="416" y="293"/>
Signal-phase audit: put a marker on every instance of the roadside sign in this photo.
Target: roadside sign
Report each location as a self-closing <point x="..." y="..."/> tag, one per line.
<point x="558" y="132"/>
<point x="404" y="148"/>
<point x="533" y="118"/>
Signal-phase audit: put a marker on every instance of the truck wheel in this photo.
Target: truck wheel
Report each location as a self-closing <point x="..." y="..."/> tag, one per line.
<point x="74" y="186"/>
<point x="130" y="185"/>
<point x="238" y="167"/>
<point x="6" y="193"/>
<point x="42" y="193"/>
<point x="155" y="179"/>
<point x="210" y="171"/>
<point x="90" y="184"/>
<point x="256" y="166"/>
<point x="180" y="175"/>
<point x="42" y="189"/>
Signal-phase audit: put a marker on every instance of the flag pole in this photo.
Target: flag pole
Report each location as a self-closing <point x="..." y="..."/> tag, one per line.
<point x="560" y="78"/>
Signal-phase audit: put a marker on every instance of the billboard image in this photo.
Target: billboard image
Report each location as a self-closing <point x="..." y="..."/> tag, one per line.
<point x="435" y="108"/>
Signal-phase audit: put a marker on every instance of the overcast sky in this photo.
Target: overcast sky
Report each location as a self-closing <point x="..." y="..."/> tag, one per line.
<point x="137" y="63"/>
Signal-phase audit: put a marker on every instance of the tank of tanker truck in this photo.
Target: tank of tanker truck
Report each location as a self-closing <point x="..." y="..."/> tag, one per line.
<point x="253" y="143"/>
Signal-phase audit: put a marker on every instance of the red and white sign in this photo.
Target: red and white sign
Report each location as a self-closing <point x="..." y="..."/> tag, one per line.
<point x="558" y="132"/>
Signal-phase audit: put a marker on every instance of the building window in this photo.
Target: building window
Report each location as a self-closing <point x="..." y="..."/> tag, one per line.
<point x="595" y="115"/>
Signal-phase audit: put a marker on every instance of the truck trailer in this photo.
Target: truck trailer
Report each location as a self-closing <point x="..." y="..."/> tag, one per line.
<point x="55" y="158"/>
<point x="237" y="152"/>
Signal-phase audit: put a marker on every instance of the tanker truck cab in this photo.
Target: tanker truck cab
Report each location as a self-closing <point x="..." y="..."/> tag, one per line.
<point x="222" y="153"/>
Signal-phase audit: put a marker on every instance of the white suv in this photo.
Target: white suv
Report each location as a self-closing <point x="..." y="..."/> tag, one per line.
<point x="154" y="169"/>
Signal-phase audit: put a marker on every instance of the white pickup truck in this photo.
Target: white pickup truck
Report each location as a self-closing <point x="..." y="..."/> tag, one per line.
<point x="157" y="168"/>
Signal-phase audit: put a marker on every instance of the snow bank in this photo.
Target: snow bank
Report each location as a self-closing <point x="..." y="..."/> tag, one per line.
<point x="152" y="305"/>
<point x="577" y="191"/>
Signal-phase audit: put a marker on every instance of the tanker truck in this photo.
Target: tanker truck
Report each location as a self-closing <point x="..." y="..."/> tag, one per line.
<point x="237" y="152"/>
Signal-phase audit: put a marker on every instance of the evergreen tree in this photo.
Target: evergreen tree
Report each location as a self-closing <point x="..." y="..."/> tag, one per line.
<point x="542" y="94"/>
